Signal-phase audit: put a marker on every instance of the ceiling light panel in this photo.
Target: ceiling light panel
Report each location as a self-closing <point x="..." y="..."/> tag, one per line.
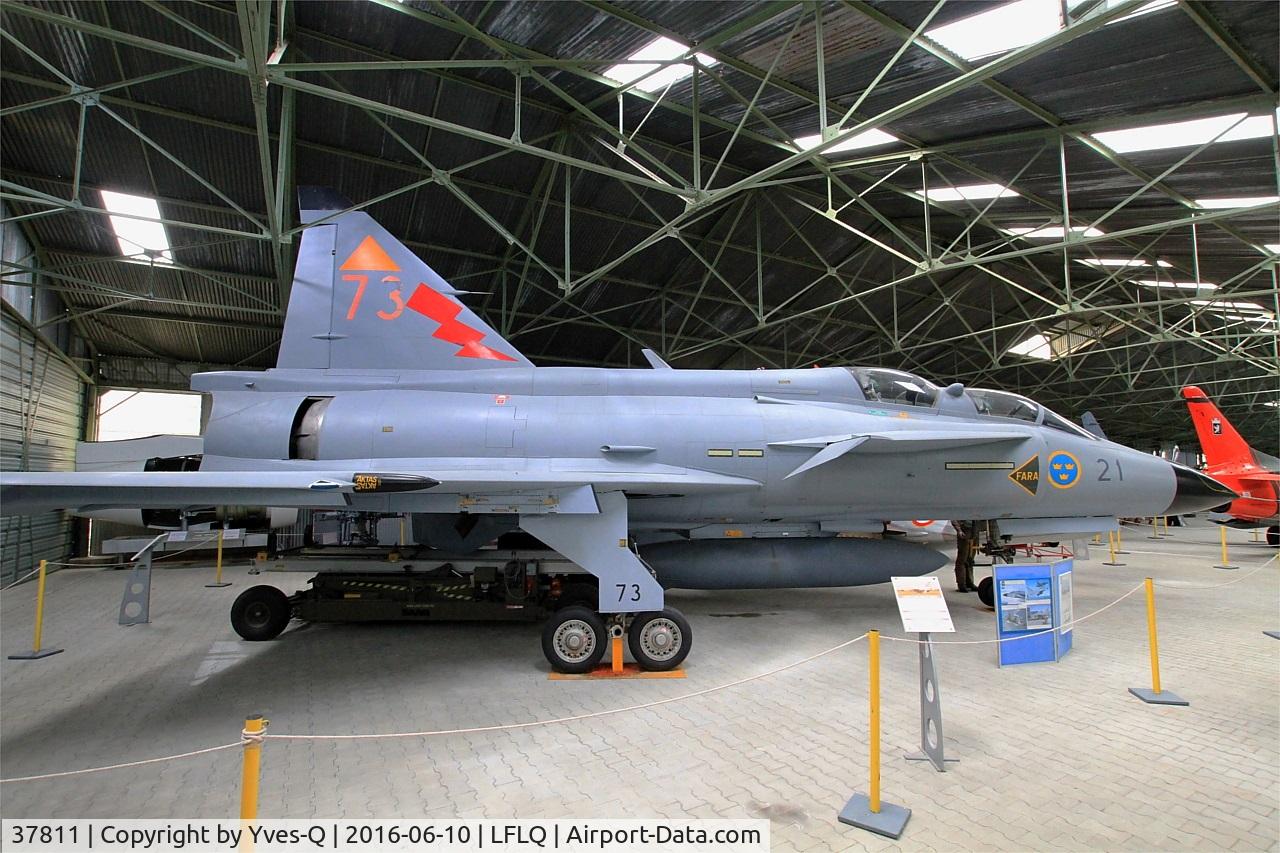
<point x="1006" y="27"/>
<point x="645" y="60"/>
<point x="970" y="192"/>
<point x="1183" y="134"/>
<point x="142" y="238"/>
<point x="866" y="139"/>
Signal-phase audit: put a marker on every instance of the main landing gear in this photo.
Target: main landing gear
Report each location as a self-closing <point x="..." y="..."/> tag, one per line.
<point x="575" y="638"/>
<point x="1273" y="536"/>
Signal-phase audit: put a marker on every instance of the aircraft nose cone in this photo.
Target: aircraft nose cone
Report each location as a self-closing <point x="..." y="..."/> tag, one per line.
<point x="1194" y="492"/>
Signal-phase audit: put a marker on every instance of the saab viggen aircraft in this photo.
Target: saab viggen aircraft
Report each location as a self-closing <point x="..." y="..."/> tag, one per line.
<point x="1230" y="460"/>
<point x="391" y="396"/>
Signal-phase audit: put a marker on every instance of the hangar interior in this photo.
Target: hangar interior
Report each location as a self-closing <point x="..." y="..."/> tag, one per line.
<point x="693" y="210"/>
<point x="1075" y="201"/>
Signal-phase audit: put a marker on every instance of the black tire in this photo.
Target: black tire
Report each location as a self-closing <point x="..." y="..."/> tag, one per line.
<point x="1273" y="536"/>
<point x="574" y="640"/>
<point x="579" y="594"/>
<point x="986" y="592"/>
<point x="261" y="613"/>
<point x="660" y="641"/>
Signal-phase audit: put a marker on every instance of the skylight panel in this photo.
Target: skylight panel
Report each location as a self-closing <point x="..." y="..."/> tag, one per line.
<point x="645" y="60"/>
<point x="138" y="237"/>
<point x="1238" y="201"/>
<point x="1273" y="248"/>
<point x="970" y="192"/>
<point x="1120" y="262"/>
<point x="1036" y="346"/>
<point x="866" y="139"/>
<point x="1227" y="304"/>
<point x="1049" y="232"/>
<point x="1182" y="134"/>
<point x="1009" y="26"/>
<point x="1153" y="6"/>
<point x="1177" y="285"/>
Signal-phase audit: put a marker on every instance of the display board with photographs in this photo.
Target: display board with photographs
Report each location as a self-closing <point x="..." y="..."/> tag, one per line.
<point x="1026" y="604"/>
<point x="1033" y="602"/>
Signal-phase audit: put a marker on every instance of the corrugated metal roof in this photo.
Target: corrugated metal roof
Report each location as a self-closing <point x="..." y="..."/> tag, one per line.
<point x="227" y="307"/>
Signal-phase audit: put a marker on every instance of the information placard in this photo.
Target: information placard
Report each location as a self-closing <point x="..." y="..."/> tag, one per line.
<point x="922" y="606"/>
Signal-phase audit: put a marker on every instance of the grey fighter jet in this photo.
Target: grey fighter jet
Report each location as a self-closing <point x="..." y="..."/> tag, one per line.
<point x="391" y="396"/>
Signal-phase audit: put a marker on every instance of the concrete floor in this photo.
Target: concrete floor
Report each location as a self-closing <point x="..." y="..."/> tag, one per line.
<point x="1052" y="756"/>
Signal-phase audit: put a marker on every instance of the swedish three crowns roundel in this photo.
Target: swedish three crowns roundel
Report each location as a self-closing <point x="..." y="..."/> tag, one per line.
<point x="1064" y="469"/>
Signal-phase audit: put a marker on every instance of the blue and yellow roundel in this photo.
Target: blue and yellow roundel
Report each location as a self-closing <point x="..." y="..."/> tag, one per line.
<point x="1064" y="469"/>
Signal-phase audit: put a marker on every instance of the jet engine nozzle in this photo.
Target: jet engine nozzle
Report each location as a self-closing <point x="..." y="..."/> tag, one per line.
<point x="1195" y="492"/>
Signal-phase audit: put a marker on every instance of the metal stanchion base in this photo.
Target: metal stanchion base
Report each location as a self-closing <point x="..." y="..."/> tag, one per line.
<point x="34" y="655"/>
<point x="1273" y="634"/>
<point x="217" y="585"/>
<point x="920" y="756"/>
<point x="889" y="821"/>
<point x="1164" y="697"/>
<point x="1224" y="566"/>
<point x="1111" y="564"/>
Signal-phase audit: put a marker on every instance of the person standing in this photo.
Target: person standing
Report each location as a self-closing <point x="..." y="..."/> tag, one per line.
<point x="966" y="550"/>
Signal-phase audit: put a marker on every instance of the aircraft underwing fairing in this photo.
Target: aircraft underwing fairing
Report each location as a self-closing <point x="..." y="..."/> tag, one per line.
<point x="391" y="396"/>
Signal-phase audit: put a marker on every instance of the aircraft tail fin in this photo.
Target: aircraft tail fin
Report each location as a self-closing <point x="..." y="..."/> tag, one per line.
<point x="1219" y="440"/>
<point x="1091" y="425"/>
<point x="361" y="299"/>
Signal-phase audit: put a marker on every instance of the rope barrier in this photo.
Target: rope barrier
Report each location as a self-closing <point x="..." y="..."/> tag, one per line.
<point x="247" y="737"/>
<point x="251" y="738"/>
<point x="1183" y="585"/>
<point x="29" y="574"/>
<point x="50" y="564"/>
<point x="191" y="754"/>
<point x="577" y="717"/>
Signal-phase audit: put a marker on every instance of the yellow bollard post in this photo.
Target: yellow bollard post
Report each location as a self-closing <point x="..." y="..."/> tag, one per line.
<point x="1111" y="549"/>
<point x="1155" y="696"/>
<point x="1119" y="542"/>
<point x="873" y="668"/>
<point x="1152" y="642"/>
<point x="1155" y="529"/>
<point x="217" y="572"/>
<point x="867" y="811"/>
<point x="1222" y="537"/>
<point x="38" y="634"/>
<point x="1255" y="534"/>
<point x="252" y="738"/>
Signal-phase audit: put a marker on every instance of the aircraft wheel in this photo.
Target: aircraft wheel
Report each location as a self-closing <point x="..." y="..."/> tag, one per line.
<point x="260" y="613"/>
<point x="660" y="641"/>
<point x="1273" y="536"/>
<point x="574" y="639"/>
<point x="986" y="592"/>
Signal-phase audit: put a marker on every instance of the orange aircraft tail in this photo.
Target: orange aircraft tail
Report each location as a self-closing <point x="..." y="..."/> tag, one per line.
<point x="1218" y="438"/>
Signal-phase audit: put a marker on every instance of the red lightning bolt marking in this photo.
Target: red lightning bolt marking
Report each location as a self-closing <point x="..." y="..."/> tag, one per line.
<point x="438" y="307"/>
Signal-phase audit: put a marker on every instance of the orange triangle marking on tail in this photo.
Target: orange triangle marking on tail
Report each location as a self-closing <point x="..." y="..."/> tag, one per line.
<point x="370" y="256"/>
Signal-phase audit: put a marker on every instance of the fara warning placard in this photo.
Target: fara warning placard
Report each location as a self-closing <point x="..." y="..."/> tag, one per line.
<point x="921" y="605"/>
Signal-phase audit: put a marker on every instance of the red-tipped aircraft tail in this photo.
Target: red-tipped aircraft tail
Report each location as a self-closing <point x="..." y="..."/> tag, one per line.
<point x="1218" y="438"/>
